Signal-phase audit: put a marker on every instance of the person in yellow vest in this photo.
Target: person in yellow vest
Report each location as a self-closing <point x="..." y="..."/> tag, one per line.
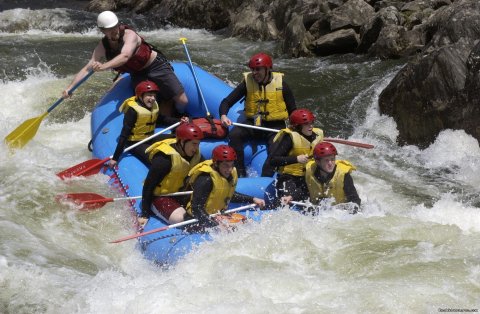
<point x="171" y="160"/>
<point x="292" y="148"/>
<point x="327" y="177"/>
<point x="141" y="116"/>
<point x="213" y="183"/>
<point x="268" y="103"/>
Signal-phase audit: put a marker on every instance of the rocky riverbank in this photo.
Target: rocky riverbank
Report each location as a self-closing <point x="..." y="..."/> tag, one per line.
<point x="43" y="4"/>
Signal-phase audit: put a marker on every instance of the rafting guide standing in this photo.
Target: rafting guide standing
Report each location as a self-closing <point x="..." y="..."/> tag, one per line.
<point x="126" y="51"/>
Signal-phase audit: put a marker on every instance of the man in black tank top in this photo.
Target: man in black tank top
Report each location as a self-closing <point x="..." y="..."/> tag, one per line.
<point x="126" y="51"/>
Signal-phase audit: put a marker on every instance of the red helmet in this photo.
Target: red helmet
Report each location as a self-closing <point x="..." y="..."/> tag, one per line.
<point x="323" y="149"/>
<point x="189" y="131"/>
<point x="301" y="116"/>
<point x="260" y="60"/>
<point x="145" y="86"/>
<point x="224" y="153"/>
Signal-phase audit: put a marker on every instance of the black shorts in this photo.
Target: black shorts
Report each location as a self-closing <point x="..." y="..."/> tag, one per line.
<point x="160" y="72"/>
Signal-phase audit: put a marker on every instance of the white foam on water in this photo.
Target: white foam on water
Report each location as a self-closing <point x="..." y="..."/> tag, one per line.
<point x="413" y="248"/>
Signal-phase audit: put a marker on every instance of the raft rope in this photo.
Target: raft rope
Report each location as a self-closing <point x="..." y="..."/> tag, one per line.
<point x="118" y="183"/>
<point x="145" y="243"/>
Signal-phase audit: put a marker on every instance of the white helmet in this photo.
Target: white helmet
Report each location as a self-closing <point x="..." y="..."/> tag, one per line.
<point x="107" y="19"/>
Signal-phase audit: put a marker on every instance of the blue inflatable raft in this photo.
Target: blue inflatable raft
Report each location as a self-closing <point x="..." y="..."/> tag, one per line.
<point x="168" y="246"/>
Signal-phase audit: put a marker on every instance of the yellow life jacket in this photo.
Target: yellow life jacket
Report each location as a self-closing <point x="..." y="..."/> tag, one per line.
<point x="173" y="181"/>
<point x="222" y="191"/>
<point x="333" y="188"/>
<point x="301" y="146"/>
<point x="265" y="99"/>
<point x="146" y="119"/>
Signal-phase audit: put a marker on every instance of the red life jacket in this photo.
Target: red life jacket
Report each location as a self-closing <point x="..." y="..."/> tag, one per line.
<point x="139" y="58"/>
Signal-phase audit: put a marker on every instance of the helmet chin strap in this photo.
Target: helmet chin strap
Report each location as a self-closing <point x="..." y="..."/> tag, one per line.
<point x="323" y="173"/>
<point x="145" y="104"/>
<point x="268" y="77"/>
<point x="182" y="147"/>
<point x="216" y="166"/>
<point x="298" y="128"/>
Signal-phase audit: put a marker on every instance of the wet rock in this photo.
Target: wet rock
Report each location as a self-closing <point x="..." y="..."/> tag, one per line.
<point x="297" y="39"/>
<point x="340" y="41"/>
<point x="438" y="90"/>
<point x="384" y="20"/>
<point x="352" y="14"/>
<point x="419" y="98"/>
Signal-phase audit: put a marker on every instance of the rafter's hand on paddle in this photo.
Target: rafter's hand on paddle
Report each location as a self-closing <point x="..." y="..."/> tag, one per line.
<point x="112" y="163"/>
<point x="225" y="120"/>
<point x="285" y="200"/>
<point x="66" y="94"/>
<point x="303" y="159"/>
<point x="259" y="202"/>
<point x="98" y="66"/>
<point x="142" y="221"/>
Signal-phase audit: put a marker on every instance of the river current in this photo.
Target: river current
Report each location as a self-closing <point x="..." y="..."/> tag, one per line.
<point x="414" y="248"/>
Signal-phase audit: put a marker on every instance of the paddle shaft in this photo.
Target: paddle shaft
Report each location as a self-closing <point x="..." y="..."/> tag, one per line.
<point x="27" y="130"/>
<point x="180" y="224"/>
<point x="142" y="141"/>
<point x="111" y="199"/>
<point x="334" y="140"/>
<point x="261" y="128"/>
<point x="71" y="90"/>
<point x="90" y="166"/>
<point x="301" y="204"/>
<point x="183" y="40"/>
<point x="150" y="137"/>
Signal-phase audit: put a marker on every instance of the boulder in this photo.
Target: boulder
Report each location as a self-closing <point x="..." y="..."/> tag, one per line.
<point x="254" y="22"/>
<point x="297" y="39"/>
<point x="352" y="14"/>
<point x="419" y="98"/>
<point x="437" y="89"/>
<point x="340" y="41"/>
<point x="370" y="32"/>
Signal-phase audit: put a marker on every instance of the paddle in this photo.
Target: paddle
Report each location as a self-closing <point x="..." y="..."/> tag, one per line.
<point x="180" y="224"/>
<point x="184" y="40"/>
<point x="89" y="201"/>
<point x="93" y="166"/>
<point x="328" y="139"/>
<point x="215" y="131"/>
<point x="27" y="130"/>
<point x="301" y="204"/>
<point x="352" y="208"/>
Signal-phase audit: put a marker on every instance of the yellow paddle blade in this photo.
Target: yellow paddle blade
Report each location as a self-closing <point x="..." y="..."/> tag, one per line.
<point x="24" y="132"/>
